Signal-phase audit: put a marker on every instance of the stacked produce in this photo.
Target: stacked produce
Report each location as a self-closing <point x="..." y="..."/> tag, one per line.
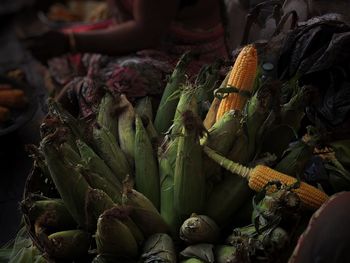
<point x="138" y="185"/>
<point x="10" y="99"/>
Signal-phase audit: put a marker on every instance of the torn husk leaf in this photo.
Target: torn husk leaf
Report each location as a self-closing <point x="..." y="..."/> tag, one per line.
<point x="159" y="248"/>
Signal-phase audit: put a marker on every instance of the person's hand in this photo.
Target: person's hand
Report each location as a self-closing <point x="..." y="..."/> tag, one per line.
<point x="47" y="45"/>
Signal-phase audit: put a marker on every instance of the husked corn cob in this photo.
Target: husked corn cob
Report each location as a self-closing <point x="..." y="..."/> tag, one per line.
<point x="260" y="175"/>
<point x="4" y="114"/>
<point x="242" y="77"/>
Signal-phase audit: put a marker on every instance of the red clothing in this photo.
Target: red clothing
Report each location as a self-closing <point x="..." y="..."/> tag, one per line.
<point x="141" y="73"/>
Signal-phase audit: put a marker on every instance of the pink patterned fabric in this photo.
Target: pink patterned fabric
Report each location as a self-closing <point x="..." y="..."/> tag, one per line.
<point x="138" y="74"/>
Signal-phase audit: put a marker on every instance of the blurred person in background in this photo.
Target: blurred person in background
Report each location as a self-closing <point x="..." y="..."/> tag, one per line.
<point x="131" y="53"/>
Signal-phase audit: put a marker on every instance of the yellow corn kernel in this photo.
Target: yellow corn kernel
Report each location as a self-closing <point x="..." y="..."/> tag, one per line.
<point x="242" y="77"/>
<point x="309" y="195"/>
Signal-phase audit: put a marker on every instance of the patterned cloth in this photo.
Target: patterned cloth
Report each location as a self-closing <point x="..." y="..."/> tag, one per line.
<point x="137" y="74"/>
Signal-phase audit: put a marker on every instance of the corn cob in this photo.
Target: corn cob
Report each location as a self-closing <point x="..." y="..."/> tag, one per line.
<point x="199" y="229"/>
<point x="96" y="181"/>
<point x="69" y="182"/>
<point x="109" y="151"/>
<point x="203" y="252"/>
<point x="143" y="107"/>
<point x="70" y="154"/>
<point x="51" y="213"/>
<point x="167" y="105"/>
<point x="189" y="180"/>
<point x="295" y="159"/>
<point x="122" y="213"/>
<point x="146" y="168"/>
<point x="4" y="114"/>
<point x="210" y="118"/>
<point x="232" y="192"/>
<point x="159" y="247"/>
<point x="192" y="260"/>
<point x="69" y="245"/>
<point x="167" y="211"/>
<point x="149" y="222"/>
<point x="106" y="116"/>
<point x="75" y="125"/>
<point x="114" y="237"/>
<point x="224" y="254"/>
<point x="133" y="198"/>
<point x="242" y="78"/>
<point x="95" y="164"/>
<point x="187" y="101"/>
<point x="259" y="176"/>
<point x="12" y="98"/>
<point x="206" y="82"/>
<point x="126" y="131"/>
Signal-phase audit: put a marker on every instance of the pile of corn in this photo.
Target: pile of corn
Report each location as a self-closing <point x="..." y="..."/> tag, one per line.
<point x="134" y="187"/>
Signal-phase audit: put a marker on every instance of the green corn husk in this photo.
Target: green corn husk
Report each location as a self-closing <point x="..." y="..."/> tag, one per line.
<point x="226" y="254"/>
<point x="231" y="193"/>
<point x="221" y="137"/>
<point x="108" y="258"/>
<point x="274" y="240"/>
<point x="193" y="260"/>
<point x="133" y="198"/>
<point x="167" y="105"/>
<point x="49" y="213"/>
<point x="152" y="134"/>
<point x="149" y="222"/>
<point x="257" y="111"/>
<point x="210" y="118"/>
<point x="222" y="134"/>
<point x="70" y="184"/>
<point x="21" y="249"/>
<point x="199" y="229"/>
<point x="143" y="107"/>
<point x="189" y="180"/>
<point x="146" y="167"/>
<point x="159" y="248"/>
<point x="295" y="158"/>
<point x="97" y="201"/>
<point x="126" y="131"/>
<point x="76" y="126"/>
<point x="69" y="245"/>
<point x="106" y="115"/>
<point x="109" y="151"/>
<point x="187" y="102"/>
<point x="39" y="159"/>
<point x="97" y="182"/>
<point x="70" y="154"/>
<point x="96" y="165"/>
<point x="202" y="252"/>
<point x="122" y="213"/>
<point x="167" y="193"/>
<point x="114" y="237"/>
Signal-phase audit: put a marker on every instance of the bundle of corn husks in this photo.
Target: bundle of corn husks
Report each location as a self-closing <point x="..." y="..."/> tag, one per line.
<point x="134" y="187"/>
